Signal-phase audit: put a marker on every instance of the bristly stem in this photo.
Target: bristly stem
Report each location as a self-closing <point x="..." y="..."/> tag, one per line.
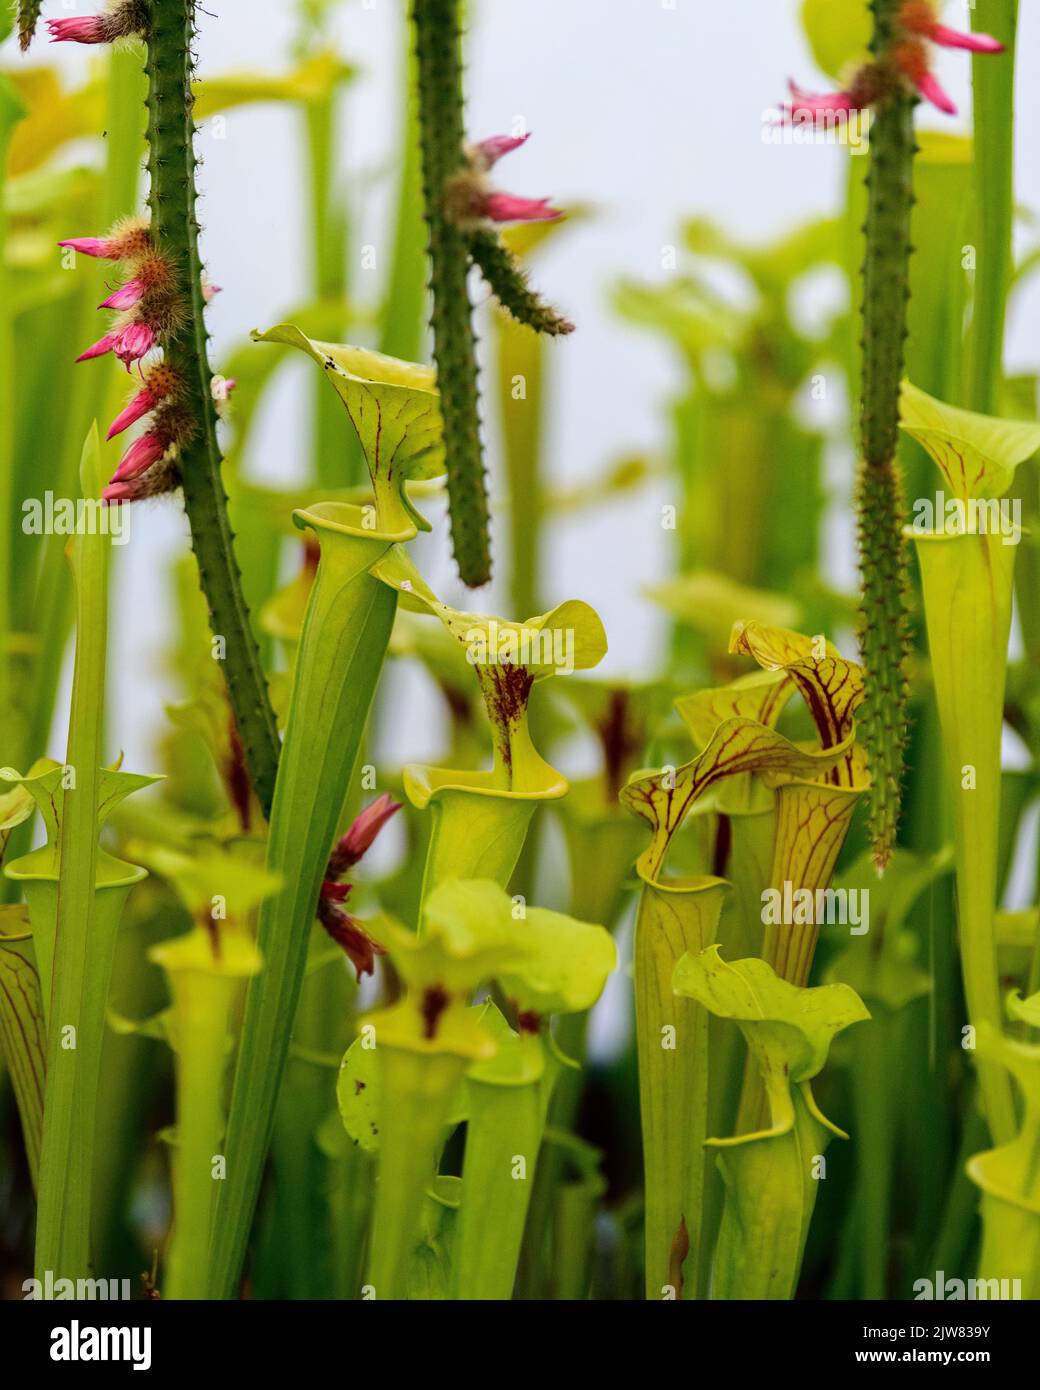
<point x="441" y="134"/>
<point x="507" y="280"/>
<point x="884" y="628"/>
<point x="171" y="198"/>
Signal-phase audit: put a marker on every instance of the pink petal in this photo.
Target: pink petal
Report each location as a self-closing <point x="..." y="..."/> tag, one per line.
<point x="508" y="207"/>
<point x="118" y="492"/>
<point x="141" y="404"/>
<point x="92" y="246"/>
<point x="98" y="349"/>
<point x="132" y="342"/>
<point x="927" y="84"/>
<point x="353" y="845"/>
<point x="86" y="30"/>
<point x="954" y="38"/>
<point x="125" y="297"/>
<point x="140" y="456"/>
<point x="491" y="150"/>
<point x="815" y="104"/>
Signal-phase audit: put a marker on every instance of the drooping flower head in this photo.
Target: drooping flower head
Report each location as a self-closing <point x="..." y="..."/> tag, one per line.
<point x="344" y="928"/>
<point x="473" y="202"/>
<point x="120" y="20"/>
<point x="907" y="62"/>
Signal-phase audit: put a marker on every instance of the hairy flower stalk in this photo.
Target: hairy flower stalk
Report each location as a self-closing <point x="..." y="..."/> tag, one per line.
<point x="461" y="209"/>
<point x="891" y="83"/>
<point x="161" y="304"/>
<point x="437" y="44"/>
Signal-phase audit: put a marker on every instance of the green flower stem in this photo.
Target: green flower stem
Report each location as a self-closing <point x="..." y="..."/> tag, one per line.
<point x="993" y="102"/>
<point x="205" y="987"/>
<point x="418" y="1087"/>
<point x="967" y="585"/>
<point x="884" y="634"/>
<point x="171" y="198"/>
<point x="438" y="51"/>
<point x="342" y="647"/>
<point x="12" y="110"/>
<point x="672" y="1044"/>
<point x="504" y="1124"/>
<point x="75" y="930"/>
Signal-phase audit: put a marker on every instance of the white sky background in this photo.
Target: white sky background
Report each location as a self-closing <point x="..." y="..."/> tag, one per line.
<point x="650" y="111"/>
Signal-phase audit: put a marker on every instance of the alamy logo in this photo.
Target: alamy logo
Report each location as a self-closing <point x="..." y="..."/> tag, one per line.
<point x="81" y="516"/>
<point x="79" y="1343"/>
<point x="62" y="1289"/>
<point x="526" y="646"/>
<point x="946" y="1290"/>
<point x="971" y="516"/>
<point x="802" y="907"/>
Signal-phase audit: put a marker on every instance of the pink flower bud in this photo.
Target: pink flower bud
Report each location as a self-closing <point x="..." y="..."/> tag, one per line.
<point x="488" y="152"/>
<point x="508" y="207"/>
<point x="89" y="29"/>
<point x="140" y="456"/>
<point x="98" y="349"/>
<point x="101" y="246"/>
<point x="358" y="839"/>
<point x="140" y="405"/>
<point x="125" y="297"/>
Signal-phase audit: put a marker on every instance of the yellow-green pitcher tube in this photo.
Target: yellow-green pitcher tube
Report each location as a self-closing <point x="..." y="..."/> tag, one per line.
<point x="342" y="647"/>
<point x="477" y="830"/>
<point x="673" y="918"/>
<point x="417" y="1087"/>
<point x="204" y="987"/>
<point x="967" y="585"/>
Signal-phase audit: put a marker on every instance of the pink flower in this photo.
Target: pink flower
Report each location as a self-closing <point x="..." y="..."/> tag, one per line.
<point x="490" y="151"/>
<point x="349" y="933"/>
<point x="102" y="246"/>
<point x="929" y="87"/>
<point x="508" y="207"/>
<point x="119" y="492"/>
<point x="911" y="57"/>
<point x="358" y="839"/>
<point x="140" y="456"/>
<point x="98" y="349"/>
<point x="90" y="29"/>
<point x="919" y="17"/>
<point x="140" y="405"/>
<point x="129" y="344"/>
<point x="804" y="103"/>
<point x="125" y="297"/>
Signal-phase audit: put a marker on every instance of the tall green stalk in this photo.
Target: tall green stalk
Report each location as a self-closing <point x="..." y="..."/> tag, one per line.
<point x="438" y="50"/>
<point x="342" y="646"/>
<point x="175" y="229"/>
<point x="884" y="633"/>
<point x="993" y="88"/>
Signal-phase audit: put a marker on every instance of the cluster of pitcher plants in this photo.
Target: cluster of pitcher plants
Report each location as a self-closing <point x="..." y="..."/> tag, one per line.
<point x="749" y="1006"/>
